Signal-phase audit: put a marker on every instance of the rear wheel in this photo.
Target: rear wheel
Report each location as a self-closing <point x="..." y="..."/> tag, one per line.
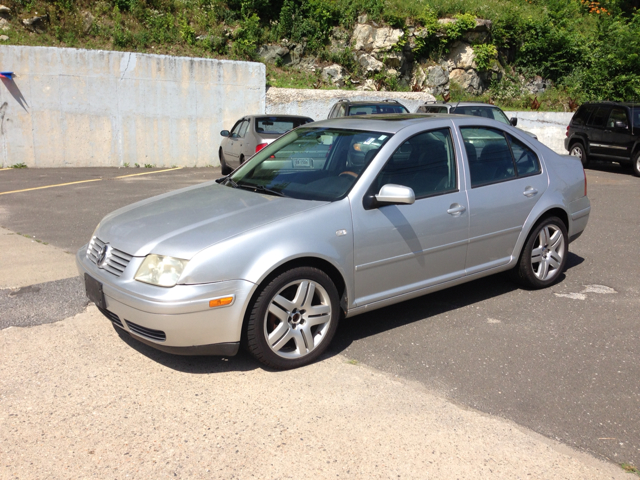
<point x="578" y="150"/>
<point x="226" y="170"/>
<point x="635" y="164"/>
<point x="293" y="319"/>
<point x="544" y="255"/>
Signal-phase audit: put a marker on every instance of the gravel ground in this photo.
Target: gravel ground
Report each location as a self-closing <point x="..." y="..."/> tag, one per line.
<point x="78" y="401"/>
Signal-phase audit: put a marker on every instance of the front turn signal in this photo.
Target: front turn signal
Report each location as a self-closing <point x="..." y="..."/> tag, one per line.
<point x="220" y="302"/>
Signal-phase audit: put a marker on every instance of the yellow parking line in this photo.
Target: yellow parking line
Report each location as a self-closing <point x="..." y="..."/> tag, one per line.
<point x="50" y="186"/>
<point x="148" y="173"/>
<point x="8" y="168"/>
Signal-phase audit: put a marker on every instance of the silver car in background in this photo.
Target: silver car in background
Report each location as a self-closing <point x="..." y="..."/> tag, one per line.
<point x="334" y="219"/>
<point x="252" y="133"/>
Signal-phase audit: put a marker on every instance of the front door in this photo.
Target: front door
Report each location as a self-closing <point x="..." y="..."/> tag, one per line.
<point x="402" y="248"/>
<point x="617" y="141"/>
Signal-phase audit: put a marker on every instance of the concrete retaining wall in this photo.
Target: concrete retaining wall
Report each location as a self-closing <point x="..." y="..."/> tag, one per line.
<point x="550" y="127"/>
<point x="317" y="103"/>
<point x="69" y="107"/>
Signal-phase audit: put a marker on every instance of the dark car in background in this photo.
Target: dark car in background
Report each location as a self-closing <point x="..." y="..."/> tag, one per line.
<point x="347" y="108"/>
<point x="252" y="133"/>
<point x="608" y="131"/>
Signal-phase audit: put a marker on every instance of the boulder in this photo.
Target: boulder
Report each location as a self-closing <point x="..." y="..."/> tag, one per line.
<point x="87" y="22"/>
<point x="5" y="12"/>
<point x="334" y="74"/>
<point x="4" y="24"/>
<point x="3" y="38"/>
<point x="467" y="79"/>
<point x="369" y="86"/>
<point x="366" y="37"/>
<point x="437" y="76"/>
<point x="295" y="54"/>
<point x="462" y="56"/>
<point x="369" y="63"/>
<point x="394" y="60"/>
<point x="36" y="24"/>
<point x="339" y="40"/>
<point x="271" y="53"/>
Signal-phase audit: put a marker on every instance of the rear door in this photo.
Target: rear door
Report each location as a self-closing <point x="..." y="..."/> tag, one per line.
<point x="597" y="123"/>
<point x="505" y="183"/>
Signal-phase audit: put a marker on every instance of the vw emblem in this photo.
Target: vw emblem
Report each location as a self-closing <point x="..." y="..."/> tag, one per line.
<point x="102" y="256"/>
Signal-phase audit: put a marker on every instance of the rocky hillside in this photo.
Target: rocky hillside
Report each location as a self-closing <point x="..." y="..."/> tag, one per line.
<point x="550" y="54"/>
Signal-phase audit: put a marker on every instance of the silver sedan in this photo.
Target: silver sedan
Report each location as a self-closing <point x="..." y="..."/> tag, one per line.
<point x="334" y="219"/>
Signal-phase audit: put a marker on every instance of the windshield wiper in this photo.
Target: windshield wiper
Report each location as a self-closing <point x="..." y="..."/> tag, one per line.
<point x="228" y="181"/>
<point x="258" y="189"/>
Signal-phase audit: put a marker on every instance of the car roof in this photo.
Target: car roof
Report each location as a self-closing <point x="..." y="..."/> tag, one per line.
<point x="368" y="102"/>
<point x="387" y="123"/>
<point x="458" y="104"/>
<point x="607" y="102"/>
<point x="278" y="115"/>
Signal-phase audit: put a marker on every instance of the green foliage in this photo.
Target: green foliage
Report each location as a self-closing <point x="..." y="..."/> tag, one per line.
<point x="187" y="33"/>
<point x="248" y="37"/>
<point x="19" y="165"/>
<point x="486" y="54"/>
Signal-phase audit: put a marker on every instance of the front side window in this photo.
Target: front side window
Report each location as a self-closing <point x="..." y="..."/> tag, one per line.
<point x="310" y="163"/>
<point x="243" y="128"/>
<point x="236" y="129"/>
<point x="489" y="155"/>
<point x="426" y="163"/>
<point x="617" y="115"/>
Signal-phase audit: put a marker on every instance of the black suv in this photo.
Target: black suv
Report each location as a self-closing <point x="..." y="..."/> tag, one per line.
<point x="608" y="131"/>
<point x="345" y="108"/>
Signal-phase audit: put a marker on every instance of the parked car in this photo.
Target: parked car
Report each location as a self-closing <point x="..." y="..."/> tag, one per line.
<point x="334" y="219"/>
<point x="476" y="109"/>
<point x="252" y="133"/>
<point x="347" y="108"/>
<point x="608" y="131"/>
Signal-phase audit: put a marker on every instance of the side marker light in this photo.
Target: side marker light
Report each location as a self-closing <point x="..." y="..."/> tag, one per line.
<point x="220" y="302"/>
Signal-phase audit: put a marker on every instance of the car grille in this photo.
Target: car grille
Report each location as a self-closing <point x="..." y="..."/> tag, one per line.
<point x="111" y="316"/>
<point x="157" y="335"/>
<point x="115" y="261"/>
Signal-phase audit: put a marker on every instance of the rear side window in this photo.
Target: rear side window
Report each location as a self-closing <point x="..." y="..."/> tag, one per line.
<point x="527" y="162"/>
<point x="599" y="118"/>
<point x="426" y="163"/>
<point x="582" y="115"/>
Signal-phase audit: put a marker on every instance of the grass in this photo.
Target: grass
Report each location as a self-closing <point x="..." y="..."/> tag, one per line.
<point x="19" y="165"/>
<point x="630" y="469"/>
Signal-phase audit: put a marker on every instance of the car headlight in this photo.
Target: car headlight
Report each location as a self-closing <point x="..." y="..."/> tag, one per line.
<point x="161" y="270"/>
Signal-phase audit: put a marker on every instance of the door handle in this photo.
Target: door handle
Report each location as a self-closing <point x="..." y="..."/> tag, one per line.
<point x="530" y="192"/>
<point x="455" y="209"/>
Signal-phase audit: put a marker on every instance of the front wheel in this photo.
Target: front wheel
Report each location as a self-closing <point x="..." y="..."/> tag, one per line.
<point x="635" y="164"/>
<point x="544" y="255"/>
<point x="293" y="319"/>
<point x="577" y="150"/>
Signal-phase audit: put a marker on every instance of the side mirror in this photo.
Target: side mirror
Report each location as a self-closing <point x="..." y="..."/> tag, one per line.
<point x="619" y="125"/>
<point x="391" y="194"/>
<point x="224" y="133"/>
<point x="513" y="121"/>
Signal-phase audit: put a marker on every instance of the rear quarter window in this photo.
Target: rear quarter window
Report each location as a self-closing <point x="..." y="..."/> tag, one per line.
<point x="582" y="115"/>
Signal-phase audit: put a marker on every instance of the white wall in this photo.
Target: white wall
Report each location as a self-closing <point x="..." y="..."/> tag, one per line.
<point x="69" y="107"/>
<point x="317" y="103"/>
<point x="550" y="127"/>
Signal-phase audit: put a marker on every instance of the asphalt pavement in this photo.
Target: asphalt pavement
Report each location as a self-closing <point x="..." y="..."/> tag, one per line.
<point x="562" y="361"/>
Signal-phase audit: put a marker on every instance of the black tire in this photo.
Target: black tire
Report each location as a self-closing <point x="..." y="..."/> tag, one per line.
<point x="577" y="150"/>
<point x="635" y="164"/>
<point x="552" y="255"/>
<point x="291" y="327"/>
<point x="225" y="169"/>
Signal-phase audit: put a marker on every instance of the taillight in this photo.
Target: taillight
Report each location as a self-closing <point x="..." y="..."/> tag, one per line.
<point x="567" y="131"/>
<point x="260" y="146"/>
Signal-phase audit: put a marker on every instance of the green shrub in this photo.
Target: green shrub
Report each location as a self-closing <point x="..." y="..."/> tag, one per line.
<point x="247" y="37"/>
<point x="486" y="53"/>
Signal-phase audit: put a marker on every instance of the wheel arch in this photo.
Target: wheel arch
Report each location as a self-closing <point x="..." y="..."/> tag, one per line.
<point x="554" y="211"/>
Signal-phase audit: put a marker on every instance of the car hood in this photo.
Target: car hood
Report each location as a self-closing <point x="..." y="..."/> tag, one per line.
<point x="183" y="222"/>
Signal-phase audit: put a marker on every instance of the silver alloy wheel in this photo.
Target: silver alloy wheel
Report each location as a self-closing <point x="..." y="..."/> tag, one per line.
<point x="576" y="151"/>
<point x="547" y="253"/>
<point x="298" y="319"/>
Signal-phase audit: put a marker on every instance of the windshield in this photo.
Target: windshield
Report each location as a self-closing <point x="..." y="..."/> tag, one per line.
<point x="376" y="109"/>
<point x="278" y="125"/>
<point x="310" y="163"/>
<point x="493" y="113"/>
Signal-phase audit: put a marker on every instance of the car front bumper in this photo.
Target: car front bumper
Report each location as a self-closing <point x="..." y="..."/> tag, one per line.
<point x="176" y="320"/>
